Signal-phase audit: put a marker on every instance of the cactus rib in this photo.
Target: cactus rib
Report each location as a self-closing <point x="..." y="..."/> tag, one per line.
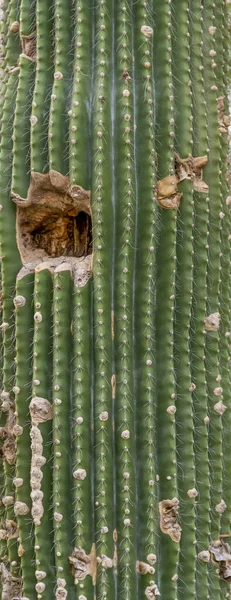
<point x="24" y="322"/>
<point x="144" y="293"/>
<point x="41" y="466"/>
<point x="102" y="226"/>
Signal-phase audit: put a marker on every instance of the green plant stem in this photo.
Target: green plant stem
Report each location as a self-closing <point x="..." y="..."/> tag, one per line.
<point x="24" y="332"/>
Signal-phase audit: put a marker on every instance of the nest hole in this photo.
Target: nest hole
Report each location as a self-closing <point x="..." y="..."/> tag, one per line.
<point x="64" y="235"/>
<point x="55" y="219"/>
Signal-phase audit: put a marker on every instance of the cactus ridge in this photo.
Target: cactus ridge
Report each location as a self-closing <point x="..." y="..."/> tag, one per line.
<point x="144" y="297"/>
<point x="24" y="322"/>
<point x="41" y="487"/>
<point x="115" y="300"/>
<point x="199" y="307"/>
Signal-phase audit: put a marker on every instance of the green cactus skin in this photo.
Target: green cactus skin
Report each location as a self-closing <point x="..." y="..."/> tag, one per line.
<point x="4" y="23"/>
<point x="102" y="228"/>
<point x="212" y="364"/>
<point x="82" y="415"/>
<point x="124" y="303"/>
<point x="10" y="266"/>
<point x="58" y="122"/>
<point x="182" y="314"/>
<point x="213" y="305"/>
<point x="42" y="387"/>
<point x="27" y="17"/>
<point x="62" y="477"/>
<point x="197" y="346"/>
<point x="41" y="99"/>
<point x="145" y="295"/>
<point x="24" y="323"/>
<point x="224" y="350"/>
<point x="3" y="543"/>
<point x="83" y="509"/>
<point x="165" y="292"/>
<point x="21" y="131"/>
<point x="13" y="46"/>
<point x="79" y="111"/>
<point x="121" y="391"/>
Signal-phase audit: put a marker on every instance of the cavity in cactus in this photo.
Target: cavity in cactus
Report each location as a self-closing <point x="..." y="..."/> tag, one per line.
<point x="115" y="300"/>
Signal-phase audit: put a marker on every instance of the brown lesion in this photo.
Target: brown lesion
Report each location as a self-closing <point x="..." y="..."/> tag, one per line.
<point x="8" y="439"/>
<point x="9" y="530"/>
<point x="168" y="510"/>
<point x="223" y="120"/>
<point x="220" y="555"/>
<point x="83" y="564"/>
<point x="11" y="586"/>
<point x="167" y="193"/>
<point x="54" y="220"/>
<point x="28" y="43"/>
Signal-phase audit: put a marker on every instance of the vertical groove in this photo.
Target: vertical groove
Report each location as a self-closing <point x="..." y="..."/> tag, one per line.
<point x="145" y="295"/>
<point x="124" y="261"/>
<point x="200" y="259"/>
<point x="225" y="272"/>
<point x="102" y="231"/>
<point x="4" y="25"/>
<point x="21" y="131"/>
<point x="113" y="269"/>
<point x="3" y="542"/>
<point x="27" y="17"/>
<point x="13" y="45"/>
<point x="79" y="144"/>
<point x="183" y="301"/>
<point x="167" y="555"/>
<point x="80" y="100"/>
<point x="43" y="84"/>
<point x="213" y="372"/>
<point x="42" y="467"/>
<point x="22" y="391"/>
<point x="10" y="257"/>
<point x="60" y="97"/>
<point x="62" y="475"/>
<point x="81" y="427"/>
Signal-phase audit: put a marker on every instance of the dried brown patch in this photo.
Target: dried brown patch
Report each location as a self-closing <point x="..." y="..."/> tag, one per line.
<point x="83" y="564"/>
<point x="192" y="168"/>
<point x="168" y="510"/>
<point x="11" y="586"/>
<point x="220" y="553"/>
<point x="167" y="193"/>
<point x="41" y="410"/>
<point x="221" y="507"/>
<point x="21" y="509"/>
<point x="112" y="325"/>
<point x="113" y="385"/>
<point x="212" y="322"/>
<point x="115" y="554"/>
<point x="29" y="46"/>
<point x="152" y="591"/>
<point x="126" y="76"/>
<point x="7" y="434"/>
<point x="105" y="561"/>
<point x="144" y="568"/>
<point x="54" y="220"/>
<point x="37" y="462"/>
<point x="223" y="120"/>
<point x="9" y="530"/>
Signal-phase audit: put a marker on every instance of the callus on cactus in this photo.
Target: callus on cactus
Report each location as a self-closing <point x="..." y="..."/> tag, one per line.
<point x="115" y="288"/>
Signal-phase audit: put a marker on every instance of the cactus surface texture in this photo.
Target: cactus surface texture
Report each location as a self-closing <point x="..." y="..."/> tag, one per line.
<point x="115" y="286"/>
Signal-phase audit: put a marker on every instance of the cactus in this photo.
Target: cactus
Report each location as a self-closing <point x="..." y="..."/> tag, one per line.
<point x="115" y="234"/>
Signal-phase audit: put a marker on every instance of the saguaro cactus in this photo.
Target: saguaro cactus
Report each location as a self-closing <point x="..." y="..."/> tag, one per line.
<point x="115" y="300"/>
